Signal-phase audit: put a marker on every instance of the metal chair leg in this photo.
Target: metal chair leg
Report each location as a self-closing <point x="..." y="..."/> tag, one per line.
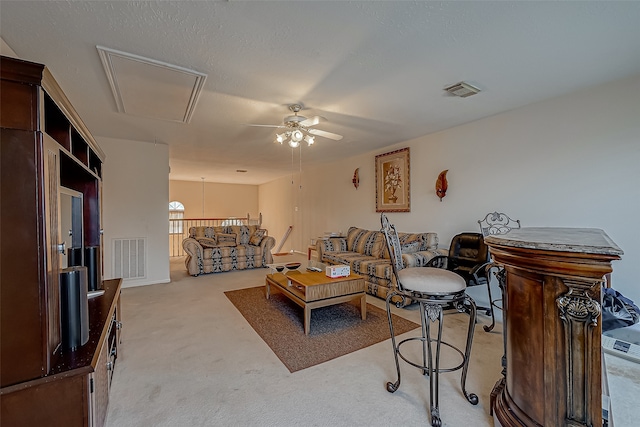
<point x="471" y="397"/>
<point x="434" y="377"/>
<point x="493" y="318"/>
<point x="430" y="312"/>
<point x="392" y="387"/>
<point x="425" y="335"/>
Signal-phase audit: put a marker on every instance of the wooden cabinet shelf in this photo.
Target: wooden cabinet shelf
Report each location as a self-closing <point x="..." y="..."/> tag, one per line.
<point x="95" y="164"/>
<point x="56" y="124"/>
<point x="79" y="148"/>
<point x="49" y="157"/>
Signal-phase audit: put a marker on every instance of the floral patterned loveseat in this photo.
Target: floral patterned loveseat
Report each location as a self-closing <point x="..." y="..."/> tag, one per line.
<point x="366" y="252"/>
<point x="225" y="248"/>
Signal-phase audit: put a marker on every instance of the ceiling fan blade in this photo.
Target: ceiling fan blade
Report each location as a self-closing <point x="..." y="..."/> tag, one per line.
<point x="264" y="126"/>
<point x="325" y="134"/>
<point x="312" y="121"/>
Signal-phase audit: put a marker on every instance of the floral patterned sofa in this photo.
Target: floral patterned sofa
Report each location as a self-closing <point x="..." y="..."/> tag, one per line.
<point x="225" y="248"/>
<point x="366" y="252"/>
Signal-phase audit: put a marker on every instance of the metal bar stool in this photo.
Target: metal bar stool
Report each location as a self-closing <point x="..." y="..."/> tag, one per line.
<point x="434" y="289"/>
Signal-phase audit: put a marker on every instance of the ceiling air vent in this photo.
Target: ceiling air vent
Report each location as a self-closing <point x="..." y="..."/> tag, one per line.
<point x="462" y="89"/>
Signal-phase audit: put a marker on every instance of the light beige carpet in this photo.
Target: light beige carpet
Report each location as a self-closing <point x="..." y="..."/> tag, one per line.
<point x="189" y="358"/>
<point x="335" y="330"/>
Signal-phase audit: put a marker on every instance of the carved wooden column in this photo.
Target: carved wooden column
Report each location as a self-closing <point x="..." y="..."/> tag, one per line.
<point x="552" y="295"/>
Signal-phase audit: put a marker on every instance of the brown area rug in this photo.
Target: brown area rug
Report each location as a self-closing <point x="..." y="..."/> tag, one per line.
<point x="335" y="330"/>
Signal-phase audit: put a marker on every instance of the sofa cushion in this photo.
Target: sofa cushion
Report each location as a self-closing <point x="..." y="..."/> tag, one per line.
<point x="243" y="232"/>
<point x="196" y="232"/>
<point x="225" y="258"/>
<point x="414" y="242"/>
<point x="363" y="265"/>
<point x="334" y="244"/>
<point x="366" y="242"/>
<point x="409" y="248"/>
<point x="202" y="231"/>
<point x="226" y="239"/>
<point x="421" y="258"/>
<point x="257" y="236"/>
<point x="207" y="242"/>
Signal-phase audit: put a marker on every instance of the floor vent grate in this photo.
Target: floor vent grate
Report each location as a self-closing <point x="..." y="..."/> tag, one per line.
<point x="129" y="258"/>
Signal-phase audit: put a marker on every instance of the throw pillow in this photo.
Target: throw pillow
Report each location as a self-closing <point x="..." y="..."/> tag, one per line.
<point x="257" y="236"/>
<point x="208" y="232"/>
<point x="207" y="242"/>
<point x="226" y="239"/>
<point x="196" y="232"/>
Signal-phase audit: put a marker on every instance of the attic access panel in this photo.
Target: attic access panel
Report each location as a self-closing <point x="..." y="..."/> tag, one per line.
<point x="149" y="88"/>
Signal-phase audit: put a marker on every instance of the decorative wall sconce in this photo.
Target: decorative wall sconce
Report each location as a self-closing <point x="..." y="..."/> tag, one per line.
<point x="442" y="184"/>
<point x="356" y="178"/>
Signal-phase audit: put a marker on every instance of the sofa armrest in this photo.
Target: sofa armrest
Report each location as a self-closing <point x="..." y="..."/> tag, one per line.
<point x="267" y="243"/>
<point x="424" y="258"/>
<point x="195" y="253"/>
<point x="319" y="249"/>
<point x="333" y="244"/>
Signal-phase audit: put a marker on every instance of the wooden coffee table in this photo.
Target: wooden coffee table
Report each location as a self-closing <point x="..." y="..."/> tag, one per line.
<point x="310" y="289"/>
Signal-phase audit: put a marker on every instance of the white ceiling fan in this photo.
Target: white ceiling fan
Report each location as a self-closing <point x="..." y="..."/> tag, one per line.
<point x="300" y="128"/>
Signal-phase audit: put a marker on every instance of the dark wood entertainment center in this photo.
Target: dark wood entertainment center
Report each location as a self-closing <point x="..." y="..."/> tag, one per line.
<point x="45" y="147"/>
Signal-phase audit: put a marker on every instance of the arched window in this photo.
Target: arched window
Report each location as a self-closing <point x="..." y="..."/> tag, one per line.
<point x="176" y="216"/>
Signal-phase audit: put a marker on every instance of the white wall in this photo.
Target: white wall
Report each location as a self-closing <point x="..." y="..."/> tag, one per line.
<point x="567" y="162"/>
<point x="277" y="203"/>
<point x="136" y="202"/>
<point x="6" y="50"/>
<point x="219" y="200"/>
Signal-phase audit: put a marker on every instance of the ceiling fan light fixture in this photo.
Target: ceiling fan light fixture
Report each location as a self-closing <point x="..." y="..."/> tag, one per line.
<point x="299" y="128"/>
<point x="309" y="139"/>
<point x="297" y="135"/>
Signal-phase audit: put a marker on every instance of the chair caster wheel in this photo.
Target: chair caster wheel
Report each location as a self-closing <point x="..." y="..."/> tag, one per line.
<point x="472" y="398"/>
<point x="391" y="387"/>
<point x="436" y="421"/>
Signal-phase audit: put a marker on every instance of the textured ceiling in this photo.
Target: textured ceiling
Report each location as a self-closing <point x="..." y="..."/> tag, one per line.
<point x="375" y="70"/>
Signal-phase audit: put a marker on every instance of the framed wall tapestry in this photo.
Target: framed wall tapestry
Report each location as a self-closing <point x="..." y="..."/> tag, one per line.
<point x="392" y="181"/>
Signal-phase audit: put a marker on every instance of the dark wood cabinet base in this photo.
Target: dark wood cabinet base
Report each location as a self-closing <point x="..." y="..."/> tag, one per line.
<point x="552" y="292"/>
<point x="76" y="392"/>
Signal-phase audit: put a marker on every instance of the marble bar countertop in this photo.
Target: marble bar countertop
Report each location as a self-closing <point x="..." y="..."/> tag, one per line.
<point x="578" y="240"/>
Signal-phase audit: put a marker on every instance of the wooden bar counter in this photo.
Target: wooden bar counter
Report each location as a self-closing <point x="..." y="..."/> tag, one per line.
<point x="552" y="281"/>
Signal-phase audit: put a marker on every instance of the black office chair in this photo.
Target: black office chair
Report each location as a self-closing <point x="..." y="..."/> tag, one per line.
<point x="469" y="257"/>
